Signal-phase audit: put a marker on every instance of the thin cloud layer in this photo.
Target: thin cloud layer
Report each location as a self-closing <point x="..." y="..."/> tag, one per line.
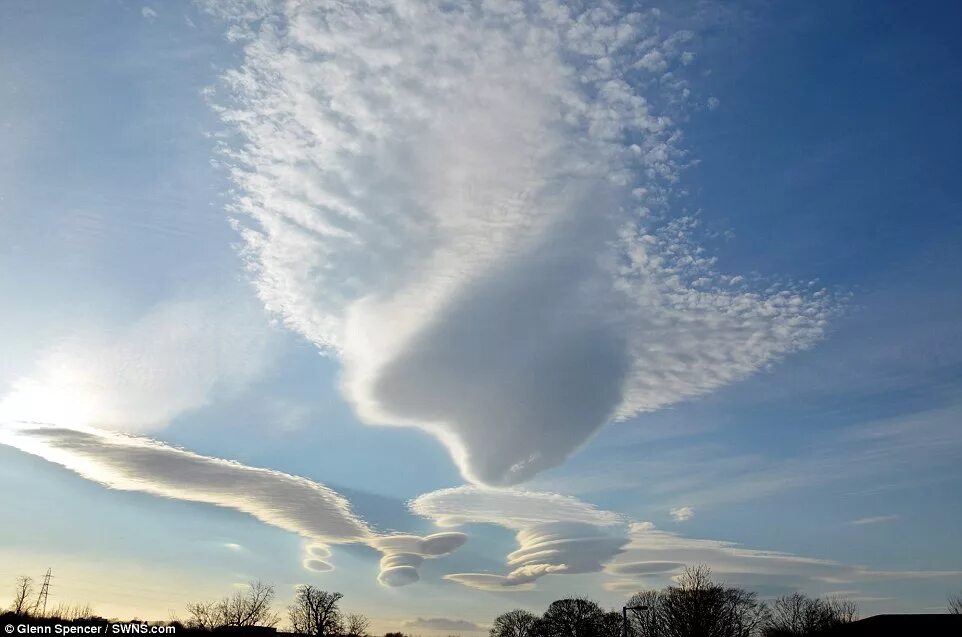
<point x="465" y="202"/>
<point x="653" y="557"/>
<point x="292" y="503"/>
<point x="443" y="623"/>
<point x="512" y="508"/>
<point x="136" y="378"/>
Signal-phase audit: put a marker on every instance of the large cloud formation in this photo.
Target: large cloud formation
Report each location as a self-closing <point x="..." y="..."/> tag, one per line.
<point x="310" y="509"/>
<point x="466" y="202"/>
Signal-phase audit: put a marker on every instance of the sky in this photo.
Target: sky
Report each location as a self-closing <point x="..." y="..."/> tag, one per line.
<point x="461" y="307"/>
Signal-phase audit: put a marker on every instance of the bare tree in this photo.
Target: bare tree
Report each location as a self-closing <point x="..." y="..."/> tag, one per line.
<point x="954" y="605"/>
<point x="202" y="616"/>
<point x="514" y="623"/>
<point x="797" y="614"/>
<point x="356" y="625"/>
<point x="72" y="612"/>
<point x="697" y="607"/>
<point x="21" y="595"/>
<point x="842" y="611"/>
<point x="315" y="612"/>
<point x="249" y="607"/>
<point x="573" y="617"/>
<point x="609" y="624"/>
<point x="645" y="623"/>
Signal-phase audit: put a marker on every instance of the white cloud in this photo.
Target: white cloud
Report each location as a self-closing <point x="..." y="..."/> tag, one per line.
<point x="873" y="520"/>
<point x="556" y="534"/>
<point x="136" y="378"/>
<point x="70" y="409"/>
<point x="403" y="554"/>
<point x="462" y="207"/>
<point x="645" y="568"/>
<point x="292" y="503"/>
<point x="512" y="508"/>
<point x="443" y="623"/>
<point x="769" y="572"/>
<point x="148" y="13"/>
<point x="682" y="514"/>
<point x="559" y="535"/>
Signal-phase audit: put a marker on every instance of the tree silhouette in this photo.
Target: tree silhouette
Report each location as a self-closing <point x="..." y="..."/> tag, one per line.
<point x="573" y="617"/>
<point x="514" y="623"/>
<point x="609" y="624"/>
<point x="72" y="612"/>
<point x="315" y="612"/>
<point x="243" y="609"/>
<point x="797" y="614"/>
<point x="356" y="625"/>
<point x="644" y="623"/>
<point x="202" y="616"/>
<point x="955" y="604"/>
<point x="251" y="607"/>
<point x="697" y="607"/>
<point x="21" y="595"/>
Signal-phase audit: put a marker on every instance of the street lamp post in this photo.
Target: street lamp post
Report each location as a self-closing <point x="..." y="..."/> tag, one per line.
<point x="624" y="617"/>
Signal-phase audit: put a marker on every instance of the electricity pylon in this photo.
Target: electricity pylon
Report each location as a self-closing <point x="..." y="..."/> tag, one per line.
<point x="44" y="593"/>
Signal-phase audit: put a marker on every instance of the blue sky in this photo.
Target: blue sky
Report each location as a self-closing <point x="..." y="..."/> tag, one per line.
<point x="654" y="287"/>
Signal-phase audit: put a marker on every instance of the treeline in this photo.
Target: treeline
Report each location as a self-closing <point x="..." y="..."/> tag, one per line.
<point x="313" y="612"/>
<point x="695" y="607"/>
<point x="26" y="604"/>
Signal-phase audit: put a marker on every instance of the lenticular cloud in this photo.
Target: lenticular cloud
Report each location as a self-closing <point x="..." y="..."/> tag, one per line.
<point x="468" y="204"/>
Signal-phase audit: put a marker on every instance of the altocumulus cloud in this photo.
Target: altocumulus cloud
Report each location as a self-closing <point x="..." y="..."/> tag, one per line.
<point x="466" y="203"/>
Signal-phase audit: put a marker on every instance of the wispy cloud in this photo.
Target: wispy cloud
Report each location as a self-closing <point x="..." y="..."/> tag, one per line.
<point x="709" y="475"/>
<point x="175" y="358"/>
<point x="466" y="204"/>
<point x="769" y="572"/>
<point x="873" y="520"/>
<point x="443" y="623"/>
<point x="681" y="514"/>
